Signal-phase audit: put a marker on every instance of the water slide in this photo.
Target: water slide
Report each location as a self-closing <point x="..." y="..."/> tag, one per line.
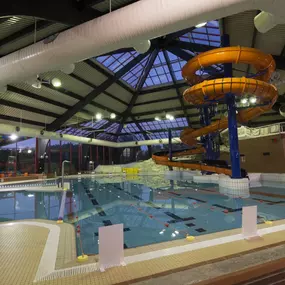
<point x="206" y="92"/>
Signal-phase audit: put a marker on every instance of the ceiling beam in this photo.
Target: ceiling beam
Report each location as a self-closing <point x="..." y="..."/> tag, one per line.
<point x="173" y="36"/>
<point x="18" y="120"/>
<point x="95" y="86"/>
<point x="41" y="24"/>
<point x="179" y="95"/>
<point x="157" y="101"/>
<point x="139" y="86"/>
<point x="94" y="93"/>
<point x="163" y="88"/>
<point x="194" y="47"/>
<point x="117" y="51"/>
<point x="36" y="97"/>
<point x="107" y="74"/>
<point x="28" y="108"/>
<point x="64" y="11"/>
<point x="142" y="131"/>
<point x="187" y="56"/>
<point x="41" y="98"/>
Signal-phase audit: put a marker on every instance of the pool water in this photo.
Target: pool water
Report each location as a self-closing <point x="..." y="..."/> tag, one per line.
<point x="152" y="209"/>
<point x="157" y="214"/>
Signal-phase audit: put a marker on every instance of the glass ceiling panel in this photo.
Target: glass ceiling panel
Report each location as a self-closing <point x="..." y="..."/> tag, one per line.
<point x="207" y="35"/>
<point x="159" y="73"/>
<point x="176" y="64"/>
<point x="130" y="128"/>
<point x="132" y="77"/>
<point x="164" y="124"/>
<point x="106" y="137"/>
<point x="115" y="62"/>
<point x="95" y="124"/>
<point x="112" y="129"/>
<point x="137" y="137"/>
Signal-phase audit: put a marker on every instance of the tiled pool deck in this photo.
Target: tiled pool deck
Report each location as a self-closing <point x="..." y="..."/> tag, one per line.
<point x="22" y="245"/>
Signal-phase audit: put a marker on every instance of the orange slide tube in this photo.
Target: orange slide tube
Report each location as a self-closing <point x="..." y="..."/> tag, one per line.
<point x="204" y="92"/>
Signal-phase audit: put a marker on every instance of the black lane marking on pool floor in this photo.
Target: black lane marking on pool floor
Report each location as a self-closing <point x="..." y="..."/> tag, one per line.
<point x="174" y="193"/>
<point x="100" y="211"/>
<point x="227" y="208"/>
<point x="94" y="202"/>
<point x="177" y="219"/>
<point x="200" y="230"/>
<point x="190" y="225"/>
<point x="268" y="202"/>
<point x="202" y="201"/>
<point x="139" y="198"/>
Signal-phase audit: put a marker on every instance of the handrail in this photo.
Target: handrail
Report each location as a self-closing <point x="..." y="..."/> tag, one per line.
<point x="62" y="172"/>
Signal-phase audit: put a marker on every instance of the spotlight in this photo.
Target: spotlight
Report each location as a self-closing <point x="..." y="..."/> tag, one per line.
<point x="29" y="151"/>
<point x="56" y="82"/>
<point x="157" y="119"/>
<point x="168" y="116"/>
<point x="171" y="118"/>
<point x="244" y="100"/>
<point x="112" y="115"/>
<point x="201" y="25"/>
<point x="252" y="100"/>
<point x="98" y="116"/>
<point x="13" y="137"/>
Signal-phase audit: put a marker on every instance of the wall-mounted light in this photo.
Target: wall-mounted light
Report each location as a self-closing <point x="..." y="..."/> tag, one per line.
<point x="252" y="100"/>
<point x="113" y="116"/>
<point x="13" y="137"/>
<point x="98" y="116"/>
<point x="56" y="82"/>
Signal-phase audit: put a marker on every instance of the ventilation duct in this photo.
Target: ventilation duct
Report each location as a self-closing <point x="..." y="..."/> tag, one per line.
<point x="131" y="26"/>
<point x="37" y="133"/>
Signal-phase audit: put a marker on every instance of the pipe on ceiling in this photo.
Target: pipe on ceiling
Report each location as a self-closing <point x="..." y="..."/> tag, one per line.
<point x="37" y="133"/>
<point x="127" y="27"/>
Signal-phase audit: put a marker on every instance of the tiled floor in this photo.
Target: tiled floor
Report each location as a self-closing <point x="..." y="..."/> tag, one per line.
<point x="22" y="247"/>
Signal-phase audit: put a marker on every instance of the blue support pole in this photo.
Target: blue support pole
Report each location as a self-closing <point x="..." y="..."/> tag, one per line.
<point x="170" y="147"/>
<point x="232" y="121"/>
<point x="208" y="142"/>
<point x="170" y="144"/>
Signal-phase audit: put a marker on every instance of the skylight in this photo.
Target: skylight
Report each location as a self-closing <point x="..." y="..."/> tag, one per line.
<point x="115" y="62"/>
<point x="207" y="35"/>
<point x="159" y="73"/>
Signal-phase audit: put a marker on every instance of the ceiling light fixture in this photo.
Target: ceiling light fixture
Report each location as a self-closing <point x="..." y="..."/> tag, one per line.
<point x="29" y="151"/>
<point x="13" y="137"/>
<point x="168" y="116"/>
<point x="201" y="25"/>
<point x="252" y="100"/>
<point x="56" y="82"/>
<point x="157" y="119"/>
<point x="171" y="118"/>
<point x="244" y="100"/>
<point x="112" y="115"/>
<point x="37" y="84"/>
<point x="98" y="116"/>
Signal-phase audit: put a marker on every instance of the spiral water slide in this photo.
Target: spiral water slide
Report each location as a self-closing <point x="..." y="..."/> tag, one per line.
<point x="209" y="91"/>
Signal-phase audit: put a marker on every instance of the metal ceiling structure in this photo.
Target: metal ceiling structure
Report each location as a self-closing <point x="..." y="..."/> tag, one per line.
<point x="135" y="87"/>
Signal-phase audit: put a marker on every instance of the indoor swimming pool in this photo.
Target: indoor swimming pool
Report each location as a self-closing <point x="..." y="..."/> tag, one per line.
<point x="152" y="209"/>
